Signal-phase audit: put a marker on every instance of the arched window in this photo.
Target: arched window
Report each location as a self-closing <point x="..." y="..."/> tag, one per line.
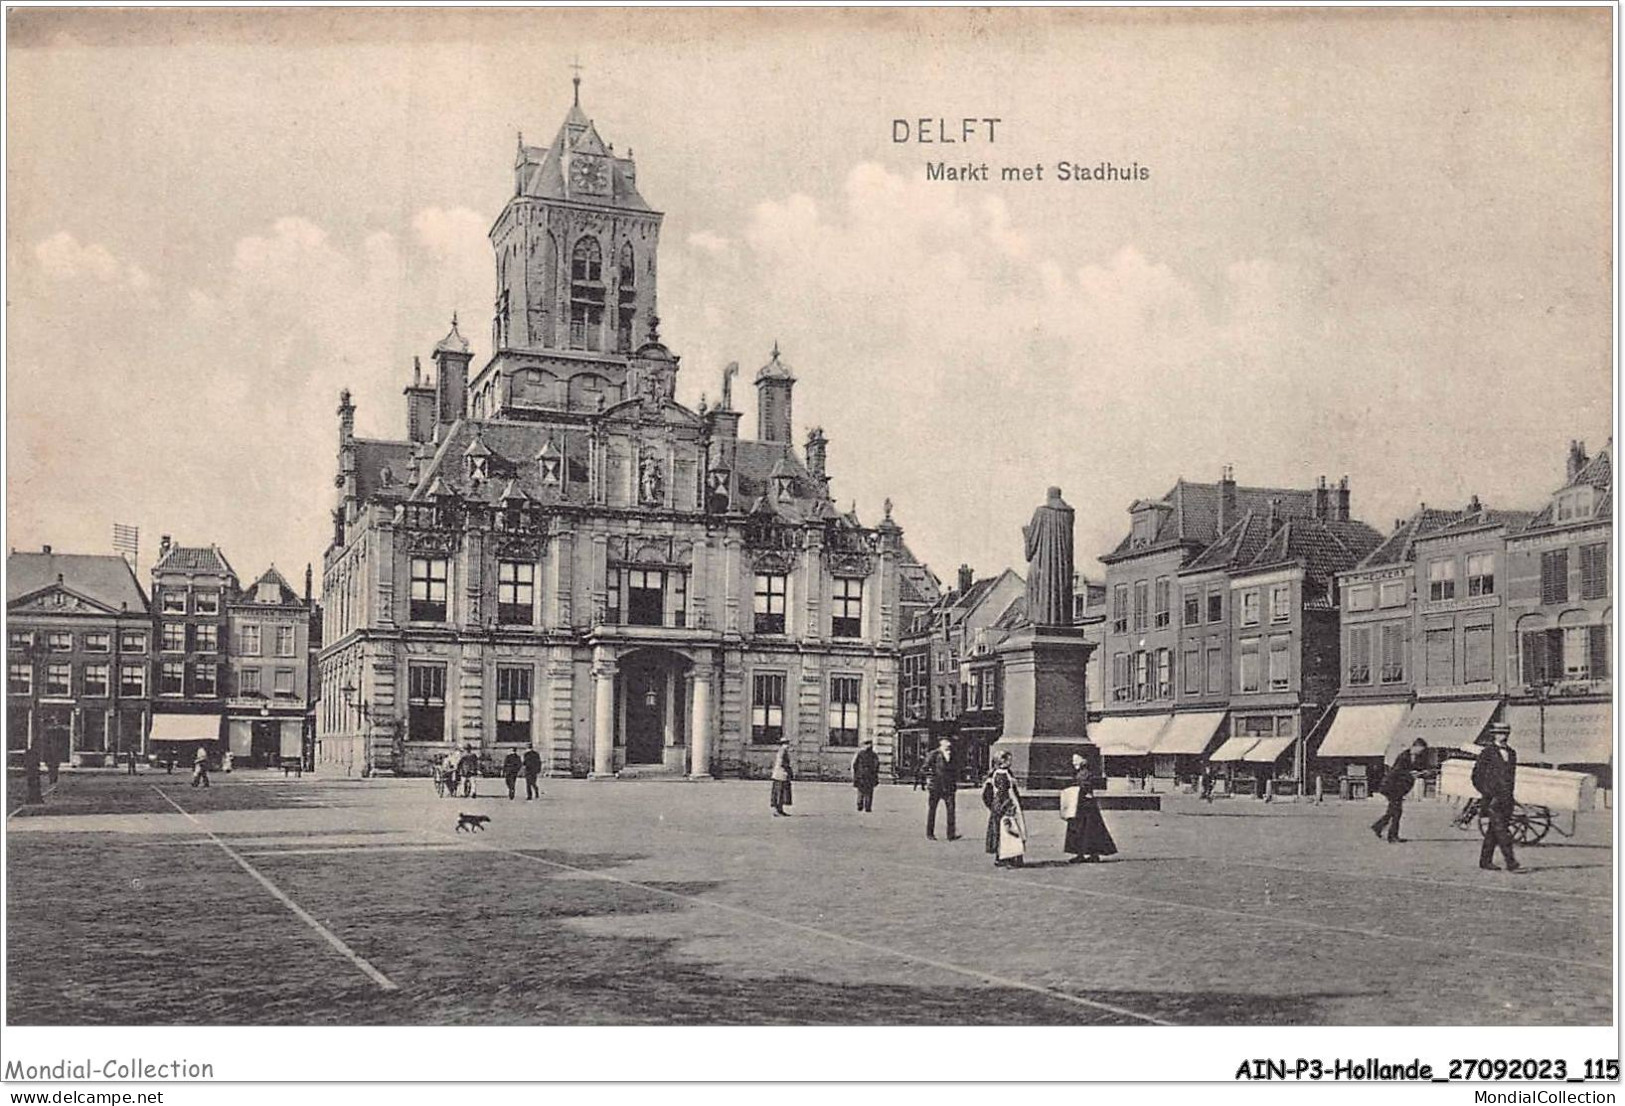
<point x="627" y="300"/>
<point x="587" y="295"/>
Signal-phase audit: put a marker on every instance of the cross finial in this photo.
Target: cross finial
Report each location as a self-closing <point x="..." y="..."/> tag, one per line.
<point x="454" y="320"/>
<point x="576" y="80"/>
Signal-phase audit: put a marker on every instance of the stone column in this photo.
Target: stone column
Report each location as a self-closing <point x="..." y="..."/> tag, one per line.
<point x="701" y="724"/>
<point x="603" y="722"/>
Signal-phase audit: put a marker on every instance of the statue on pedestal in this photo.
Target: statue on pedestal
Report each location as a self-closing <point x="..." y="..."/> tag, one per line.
<point x="1049" y="562"/>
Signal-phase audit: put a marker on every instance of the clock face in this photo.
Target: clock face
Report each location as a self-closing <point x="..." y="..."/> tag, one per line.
<point x="588" y="174"/>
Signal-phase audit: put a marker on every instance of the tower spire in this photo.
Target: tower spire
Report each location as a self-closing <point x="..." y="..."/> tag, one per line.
<point x="576" y="80"/>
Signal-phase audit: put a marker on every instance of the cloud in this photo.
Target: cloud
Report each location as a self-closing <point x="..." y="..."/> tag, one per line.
<point x="964" y="354"/>
<point x="451" y="232"/>
<point x="64" y="257"/>
<point x="710" y="242"/>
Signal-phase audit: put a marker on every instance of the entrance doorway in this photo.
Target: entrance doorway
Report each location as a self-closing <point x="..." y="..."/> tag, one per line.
<point x="652" y="705"/>
<point x="266" y="743"/>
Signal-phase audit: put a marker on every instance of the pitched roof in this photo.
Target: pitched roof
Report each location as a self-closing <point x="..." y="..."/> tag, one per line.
<point x="1480" y="518"/>
<point x="1321" y="546"/>
<point x="103" y="578"/>
<point x="1399" y="548"/>
<point x="195" y="559"/>
<point x="1236" y="547"/>
<point x="540" y="169"/>
<point x="285" y="593"/>
<point x="1191" y="515"/>
<point x="382" y="469"/>
<point x="1598" y="473"/>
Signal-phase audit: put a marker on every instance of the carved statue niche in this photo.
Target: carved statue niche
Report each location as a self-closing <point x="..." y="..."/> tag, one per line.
<point x="651" y="481"/>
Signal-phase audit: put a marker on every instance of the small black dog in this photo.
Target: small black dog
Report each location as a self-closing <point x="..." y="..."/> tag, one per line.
<point x="472" y="822"/>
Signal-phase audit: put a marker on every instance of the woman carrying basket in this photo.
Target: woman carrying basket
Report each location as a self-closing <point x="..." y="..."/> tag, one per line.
<point x="1006" y="826"/>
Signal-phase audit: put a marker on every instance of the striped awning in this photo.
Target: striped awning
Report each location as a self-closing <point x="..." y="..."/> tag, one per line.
<point x="1268" y="750"/>
<point x="1188" y="734"/>
<point x="1127" y="735"/>
<point x="1233" y="749"/>
<point x="1363" y="730"/>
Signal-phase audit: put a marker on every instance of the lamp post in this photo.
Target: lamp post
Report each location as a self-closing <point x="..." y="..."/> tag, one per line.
<point x="33" y="795"/>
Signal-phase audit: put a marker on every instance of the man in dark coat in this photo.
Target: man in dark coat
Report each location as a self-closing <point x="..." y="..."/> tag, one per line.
<point x="1494" y="776"/>
<point x="866" y="776"/>
<point x="468" y="770"/>
<point x="533" y="768"/>
<point x="939" y="774"/>
<point x="510" y="771"/>
<point x="1396" y="784"/>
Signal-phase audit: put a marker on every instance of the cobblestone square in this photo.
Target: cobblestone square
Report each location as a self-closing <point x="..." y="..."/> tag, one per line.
<point x="266" y="900"/>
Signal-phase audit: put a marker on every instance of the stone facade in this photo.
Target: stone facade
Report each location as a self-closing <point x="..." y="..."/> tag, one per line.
<point x="78" y="657"/>
<point x="571" y="559"/>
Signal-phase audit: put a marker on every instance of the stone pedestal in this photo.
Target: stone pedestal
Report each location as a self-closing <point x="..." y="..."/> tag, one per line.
<point x="1046" y="705"/>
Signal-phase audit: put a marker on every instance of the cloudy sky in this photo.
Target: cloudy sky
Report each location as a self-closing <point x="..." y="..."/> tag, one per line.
<point x="1374" y="243"/>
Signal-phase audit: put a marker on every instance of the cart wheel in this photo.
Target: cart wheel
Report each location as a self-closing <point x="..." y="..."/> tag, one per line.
<point x="1533" y="825"/>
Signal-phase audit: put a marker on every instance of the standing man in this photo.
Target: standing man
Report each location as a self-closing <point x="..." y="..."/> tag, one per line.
<point x="469" y="769"/>
<point x="132" y="761"/>
<point x="1494" y="776"/>
<point x="1396" y="784"/>
<point x="533" y="768"/>
<point x="866" y="776"/>
<point x="939" y="774"/>
<point x="782" y="773"/>
<point x="510" y="771"/>
<point x="1207" y="781"/>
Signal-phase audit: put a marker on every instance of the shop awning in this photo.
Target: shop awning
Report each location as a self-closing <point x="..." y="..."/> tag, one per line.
<point x="1364" y="730"/>
<point x="185" y="727"/>
<point x="1456" y="724"/>
<point x="1234" y="749"/>
<point x="1129" y="735"/>
<point x="1188" y="734"/>
<point x="1268" y="750"/>
<point x="1575" y="733"/>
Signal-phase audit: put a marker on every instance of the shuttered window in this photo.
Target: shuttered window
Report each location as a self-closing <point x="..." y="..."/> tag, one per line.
<point x="1359" y="663"/>
<point x="1554" y="576"/>
<point x="1594" y="571"/>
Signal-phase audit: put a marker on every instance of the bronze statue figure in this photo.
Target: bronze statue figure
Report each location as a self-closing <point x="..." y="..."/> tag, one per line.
<point x="1049" y="562"/>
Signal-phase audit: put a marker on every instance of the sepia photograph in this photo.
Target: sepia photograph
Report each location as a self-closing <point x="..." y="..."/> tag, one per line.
<point x="638" y="520"/>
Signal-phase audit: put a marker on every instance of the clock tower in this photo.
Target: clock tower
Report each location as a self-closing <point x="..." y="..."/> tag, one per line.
<point x="575" y="250"/>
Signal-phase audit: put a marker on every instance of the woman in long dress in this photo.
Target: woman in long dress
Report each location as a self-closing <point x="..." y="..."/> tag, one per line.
<point x="1006" y="826"/>
<point x="1087" y="838"/>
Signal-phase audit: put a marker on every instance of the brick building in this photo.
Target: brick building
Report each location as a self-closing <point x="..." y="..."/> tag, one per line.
<point x="1559" y="611"/>
<point x="191" y="587"/>
<point x="78" y="657"/>
<point x="268" y="683"/>
<point x="558" y="553"/>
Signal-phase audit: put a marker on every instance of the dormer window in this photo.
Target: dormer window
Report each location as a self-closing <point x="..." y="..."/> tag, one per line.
<point x="1145" y="527"/>
<point x="479" y="468"/>
<point x="552" y="467"/>
<point x="1575" y="504"/>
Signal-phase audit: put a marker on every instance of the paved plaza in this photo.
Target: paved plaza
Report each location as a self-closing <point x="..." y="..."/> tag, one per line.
<point x="266" y="900"/>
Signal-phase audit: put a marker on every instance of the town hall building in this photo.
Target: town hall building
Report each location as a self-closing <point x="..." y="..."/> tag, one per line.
<point x="559" y="554"/>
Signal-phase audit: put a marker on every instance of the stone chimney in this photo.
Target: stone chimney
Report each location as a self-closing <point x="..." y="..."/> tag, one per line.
<point x="966" y="579"/>
<point x="309" y="579"/>
<point x="775" y="384"/>
<point x="1474" y="506"/>
<point x="164" y="545"/>
<point x="422" y="406"/>
<point x="1323" y="499"/>
<point x="817" y="451"/>
<point x="451" y="358"/>
<point x="1274" y="520"/>
<point x="1577" y="458"/>
<point x="1227" y="499"/>
<point x="1340" y="512"/>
